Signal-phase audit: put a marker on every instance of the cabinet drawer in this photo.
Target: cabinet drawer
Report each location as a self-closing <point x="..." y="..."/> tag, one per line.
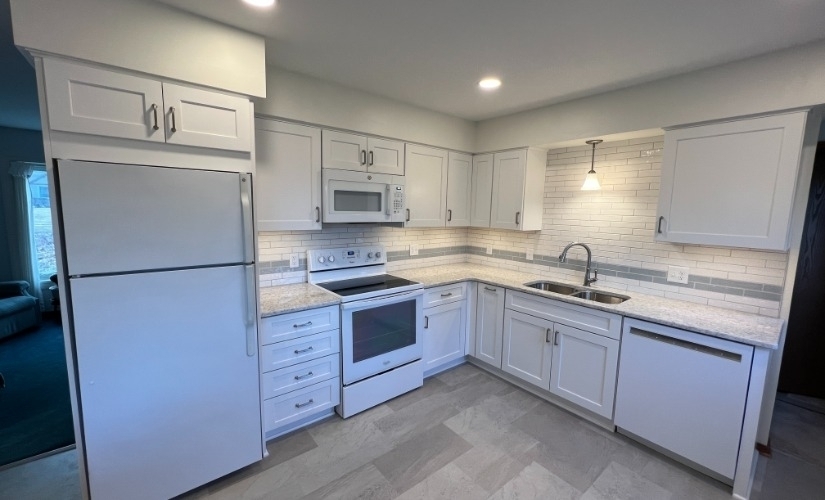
<point x="444" y="294"/>
<point x="295" y="377"/>
<point x="583" y="318"/>
<point x="302" y="403"/>
<point x="294" y="325"/>
<point x="296" y="351"/>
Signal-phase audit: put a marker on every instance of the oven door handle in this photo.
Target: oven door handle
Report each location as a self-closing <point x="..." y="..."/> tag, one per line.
<point x="380" y="301"/>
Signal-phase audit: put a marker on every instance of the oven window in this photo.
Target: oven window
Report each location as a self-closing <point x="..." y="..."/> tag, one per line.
<point x="356" y="201"/>
<point x="383" y="329"/>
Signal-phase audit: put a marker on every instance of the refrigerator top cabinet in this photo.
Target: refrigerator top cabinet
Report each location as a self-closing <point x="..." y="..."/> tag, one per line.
<point x="162" y="293"/>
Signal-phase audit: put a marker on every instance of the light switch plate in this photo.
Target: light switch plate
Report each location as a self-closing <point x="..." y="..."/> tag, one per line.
<point x="529" y="255"/>
<point x="294" y="260"/>
<point x="489" y="249"/>
<point x="414" y="249"/>
<point x="676" y="274"/>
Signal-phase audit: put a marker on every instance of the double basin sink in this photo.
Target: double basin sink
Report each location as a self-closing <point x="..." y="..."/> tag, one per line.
<point x="581" y="293"/>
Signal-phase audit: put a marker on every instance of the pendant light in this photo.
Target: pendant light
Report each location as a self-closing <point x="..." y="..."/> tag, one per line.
<point x="591" y="182"/>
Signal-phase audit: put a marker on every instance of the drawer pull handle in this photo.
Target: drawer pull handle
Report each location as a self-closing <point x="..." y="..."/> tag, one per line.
<point x="426" y="321"/>
<point x="372" y="158"/>
<point x="363" y="157"/>
<point x="548" y="335"/>
<point x="301" y="351"/>
<point x="448" y="294"/>
<point x="172" y="113"/>
<point x="301" y="377"/>
<point x="408" y="215"/>
<point x="659" y="226"/>
<point x="518" y="218"/>
<point x="490" y="289"/>
<point x="317" y="214"/>
<point x="296" y="325"/>
<point x="449" y="215"/>
<point x="556" y="338"/>
<point x="301" y="405"/>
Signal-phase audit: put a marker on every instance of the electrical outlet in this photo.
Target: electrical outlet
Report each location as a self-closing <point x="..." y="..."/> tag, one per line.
<point x="294" y="260"/>
<point x="489" y="249"/>
<point x="414" y="249"/>
<point x="529" y="255"/>
<point x="677" y="274"/>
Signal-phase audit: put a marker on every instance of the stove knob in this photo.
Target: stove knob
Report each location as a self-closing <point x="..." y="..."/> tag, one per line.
<point x="331" y="258"/>
<point x="321" y="260"/>
<point x="377" y="255"/>
<point x="369" y="255"/>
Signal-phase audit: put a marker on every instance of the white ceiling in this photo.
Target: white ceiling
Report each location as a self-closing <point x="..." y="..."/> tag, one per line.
<point x="432" y="53"/>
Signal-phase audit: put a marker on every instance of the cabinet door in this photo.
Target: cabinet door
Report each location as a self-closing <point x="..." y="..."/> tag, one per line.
<point x="426" y="185"/>
<point x="444" y="333"/>
<point x="489" y="323"/>
<point x="527" y="350"/>
<point x="206" y="119"/>
<point x="481" y="191"/>
<point x="508" y="189"/>
<point x="584" y="369"/>
<point x="459" y="182"/>
<point x="384" y="156"/>
<point x="288" y="176"/>
<point x="732" y="183"/>
<point x="94" y="101"/>
<point x="344" y="151"/>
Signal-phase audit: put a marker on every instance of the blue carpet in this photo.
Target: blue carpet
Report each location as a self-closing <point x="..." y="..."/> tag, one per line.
<point x="35" y="411"/>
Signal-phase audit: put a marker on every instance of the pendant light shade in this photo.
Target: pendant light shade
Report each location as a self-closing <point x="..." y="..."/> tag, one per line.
<point x="591" y="182"/>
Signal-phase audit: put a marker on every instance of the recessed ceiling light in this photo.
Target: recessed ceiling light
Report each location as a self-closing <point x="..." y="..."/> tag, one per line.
<point x="490" y="83"/>
<point x="260" y="3"/>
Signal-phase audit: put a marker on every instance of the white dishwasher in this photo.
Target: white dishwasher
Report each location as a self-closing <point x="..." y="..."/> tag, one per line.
<point x="684" y="393"/>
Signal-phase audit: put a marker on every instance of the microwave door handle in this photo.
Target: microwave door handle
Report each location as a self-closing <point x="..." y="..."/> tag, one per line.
<point x="398" y="297"/>
<point x="388" y="200"/>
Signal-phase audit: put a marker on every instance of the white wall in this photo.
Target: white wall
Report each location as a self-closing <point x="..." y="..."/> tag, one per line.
<point x="15" y="145"/>
<point x="298" y="97"/>
<point x="144" y="36"/>
<point x="781" y="80"/>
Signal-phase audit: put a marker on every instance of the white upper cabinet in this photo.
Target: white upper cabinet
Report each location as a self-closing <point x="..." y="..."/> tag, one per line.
<point x="731" y="183"/>
<point x="426" y="185"/>
<point x="87" y="100"/>
<point x="459" y="181"/>
<point x="288" y="176"/>
<point x="206" y="119"/>
<point x="347" y="151"/>
<point x="517" y="200"/>
<point x="481" y="190"/>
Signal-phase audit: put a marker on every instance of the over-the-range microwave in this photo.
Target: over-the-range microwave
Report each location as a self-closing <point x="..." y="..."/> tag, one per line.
<point x="351" y="196"/>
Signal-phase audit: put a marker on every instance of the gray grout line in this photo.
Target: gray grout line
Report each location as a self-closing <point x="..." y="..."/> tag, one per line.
<point x="696" y="282"/>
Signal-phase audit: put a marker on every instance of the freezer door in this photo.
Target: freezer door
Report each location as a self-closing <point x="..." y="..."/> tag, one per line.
<point x="121" y="218"/>
<point x="169" y="395"/>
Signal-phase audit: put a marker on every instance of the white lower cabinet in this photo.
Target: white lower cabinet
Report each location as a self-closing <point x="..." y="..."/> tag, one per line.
<point x="300" y="368"/>
<point x="445" y="328"/>
<point x="527" y="351"/>
<point x="489" y="324"/>
<point x="584" y="369"/>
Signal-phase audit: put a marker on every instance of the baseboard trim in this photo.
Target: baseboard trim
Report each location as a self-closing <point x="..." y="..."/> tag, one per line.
<point x="37" y="457"/>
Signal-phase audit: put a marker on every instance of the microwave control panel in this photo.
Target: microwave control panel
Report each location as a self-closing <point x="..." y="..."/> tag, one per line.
<point x="397" y="199"/>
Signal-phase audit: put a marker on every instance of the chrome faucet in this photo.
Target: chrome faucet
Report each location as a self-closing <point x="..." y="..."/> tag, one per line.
<point x="587" y="278"/>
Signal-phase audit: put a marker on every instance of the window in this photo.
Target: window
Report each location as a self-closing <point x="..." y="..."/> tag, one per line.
<point x="41" y="224"/>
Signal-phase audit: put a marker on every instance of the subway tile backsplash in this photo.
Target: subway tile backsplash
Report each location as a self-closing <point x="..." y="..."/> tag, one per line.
<point x="617" y="222"/>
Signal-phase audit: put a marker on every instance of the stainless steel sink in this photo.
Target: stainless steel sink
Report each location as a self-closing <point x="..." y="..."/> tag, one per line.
<point x="552" y="286"/>
<point x="603" y="297"/>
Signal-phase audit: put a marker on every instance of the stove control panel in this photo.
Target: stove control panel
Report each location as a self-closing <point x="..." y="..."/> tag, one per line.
<point x="345" y="257"/>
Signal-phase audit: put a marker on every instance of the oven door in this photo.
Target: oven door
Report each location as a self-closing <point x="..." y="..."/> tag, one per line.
<point x="381" y="333"/>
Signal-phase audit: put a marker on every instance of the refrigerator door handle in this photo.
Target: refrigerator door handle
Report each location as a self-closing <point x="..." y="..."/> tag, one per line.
<point x="251" y="311"/>
<point x="246" y="214"/>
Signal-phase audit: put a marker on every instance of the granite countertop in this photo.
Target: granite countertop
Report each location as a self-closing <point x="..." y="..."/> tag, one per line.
<point x="296" y="297"/>
<point x="741" y="327"/>
<point x="751" y="329"/>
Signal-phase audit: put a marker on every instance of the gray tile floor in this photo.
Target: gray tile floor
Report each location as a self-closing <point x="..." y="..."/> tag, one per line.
<point x="467" y="434"/>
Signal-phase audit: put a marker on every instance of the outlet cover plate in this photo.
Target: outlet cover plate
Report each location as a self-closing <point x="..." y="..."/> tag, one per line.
<point x="529" y="255"/>
<point x="414" y="249"/>
<point x="676" y="274"/>
<point x="294" y="260"/>
<point x="489" y="249"/>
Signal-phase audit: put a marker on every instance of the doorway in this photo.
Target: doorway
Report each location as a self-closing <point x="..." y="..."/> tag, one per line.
<point x="802" y="371"/>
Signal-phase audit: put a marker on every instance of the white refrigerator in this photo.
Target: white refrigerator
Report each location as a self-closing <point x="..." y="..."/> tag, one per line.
<point x="161" y="284"/>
